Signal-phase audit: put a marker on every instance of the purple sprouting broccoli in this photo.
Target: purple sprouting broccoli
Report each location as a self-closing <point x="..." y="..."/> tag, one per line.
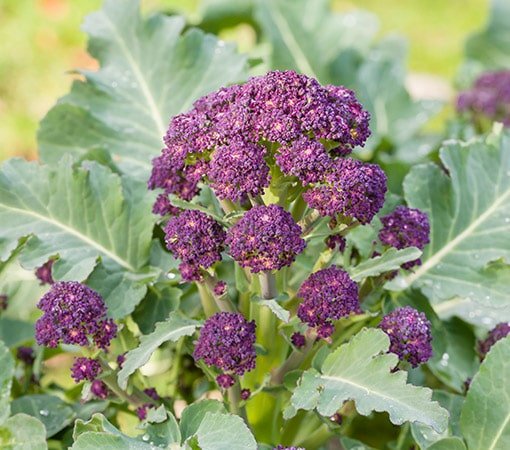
<point x="197" y="240"/>
<point x="350" y="188"/>
<point x="227" y="341"/>
<point x="220" y="288"/>
<point x="73" y="314"/>
<point x="266" y="238"/>
<point x="327" y="295"/>
<point x="229" y="136"/>
<point x="488" y="99"/>
<point x="500" y="331"/>
<point x="410" y="335"/>
<point x="4" y="302"/>
<point x="245" y="394"/>
<point x="336" y="241"/>
<point x="225" y="380"/>
<point x="238" y="170"/>
<point x="99" y="389"/>
<point x="298" y="340"/>
<point x="85" y="369"/>
<point x="43" y="273"/>
<point x="163" y="206"/>
<point x="405" y="227"/>
<point x="25" y="355"/>
<point x="141" y="411"/>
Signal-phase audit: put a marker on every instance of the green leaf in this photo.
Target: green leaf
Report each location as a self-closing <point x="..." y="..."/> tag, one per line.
<point x="164" y="433"/>
<point x="425" y="436"/>
<point x="221" y="431"/>
<point x="172" y="329"/>
<point x="54" y="413"/>
<point x="23" y="432"/>
<point x="469" y="214"/>
<point x="491" y="47"/>
<point x="361" y="371"/>
<point x="277" y="309"/>
<point x="485" y="418"/>
<point x="193" y="415"/>
<point x="157" y="305"/>
<point x="390" y="260"/>
<point x="150" y="70"/>
<point x="451" y="443"/>
<point x="6" y="374"/>
<point x="80" y="214"/>
<point x="353" y="444"/>
<point x="15" y="332"/>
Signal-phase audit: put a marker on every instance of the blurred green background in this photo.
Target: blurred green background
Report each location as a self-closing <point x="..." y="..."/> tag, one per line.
<point x="42" y="42"/>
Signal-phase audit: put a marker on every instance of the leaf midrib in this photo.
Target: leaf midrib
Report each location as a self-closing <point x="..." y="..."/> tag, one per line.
<point x="438" y="256"/>
<point x="500" y="432"/>
<point x="75" y="233"/>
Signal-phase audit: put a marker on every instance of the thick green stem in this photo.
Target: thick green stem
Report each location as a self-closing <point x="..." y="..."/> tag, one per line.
<point x="222" y="301"/>
<point x="268" y="285"/>
<point x="234" y="400"/>
<point x="207" y="300"/>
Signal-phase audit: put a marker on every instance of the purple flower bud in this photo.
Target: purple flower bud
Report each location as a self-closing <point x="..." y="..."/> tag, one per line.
<point x="334" y="241"/>
<point x="409" y="333"/>
<point x="152" y="393"/>
<point x="4" y="302"/>
<point x="43" y="273"/>
<point x="164" y="207"/>
<point x="405" y="227"/>
<point x="85" y="369"/>
<point x="73" y="314"/>
<point x="225" y="381"/>
<point x="245" y="394"/>
<point x="500" y="331"/>
<point x="298" y="340"/>
<point x="141" y="411"/>
<point x="256" y="240"/>
<point x="304" y="158"/>
<point x="337" y="418"/>
<point x="227" y="342"/>
<point x="489" y="98"/>
<point x="238" y="170"/>
<point x="26" y="355"/>
<point x="328" y="295"/>
<point x="99" y="389"/>
<point x="120" y="360"/>
<point x="351" y="188"/>
<point x="220" y="288"/>
<point x="196" y="239"/>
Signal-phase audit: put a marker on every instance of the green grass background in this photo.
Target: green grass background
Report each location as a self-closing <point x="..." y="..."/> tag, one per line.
<point x="42" y="41"/>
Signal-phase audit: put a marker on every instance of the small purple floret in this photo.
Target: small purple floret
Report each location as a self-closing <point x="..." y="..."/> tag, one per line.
<point x="227" y="342"/>
<point x="410" y="335"/>
<point x="26" y="355"/>
<point x="225" y="381"/>
<point x="328" y="295"/>
<point x="500" y="331"/>
<point x="245" y="394"/>
<point x="220" y="288"/>
<point x="85" y="369"/>
<point x="298" y="340"/>
<point x="405" y="227"/>
<point x="265" y="238"/>
<point x="164" y="207"/>
<point x="73" y="314"/>
<point x="197" y="240"/>
<point x="43" y="273"/>
<point x="4" y="302"/>
<point x="351" y="188"/>
<point x="99" y="389"/>
<point x="336" y="241"/>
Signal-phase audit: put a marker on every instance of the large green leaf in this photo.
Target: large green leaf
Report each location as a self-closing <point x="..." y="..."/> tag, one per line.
<point x="6" y="374"/>
<point x="468" y="205"/>
<point x="193" y="415"/>
<point x="361" y="371"/>
<point x="54" y="413"/>
<point x="23" y="432"/>
<point x="81" y="214"/>
<point x="172" y="329"/>
<point x="485" y="418"/>
<point x="221" y="431"/>
<point x="150" y="71"/>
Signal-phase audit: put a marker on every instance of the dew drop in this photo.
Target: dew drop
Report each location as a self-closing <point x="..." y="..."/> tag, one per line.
<point x="507" y="219"/>
<point x="444" y="359"/>
<point x="171" y="275"/>
<point x="114" y="84"/>
<point x="145" y="437"/>
<point x="44" y="412"/>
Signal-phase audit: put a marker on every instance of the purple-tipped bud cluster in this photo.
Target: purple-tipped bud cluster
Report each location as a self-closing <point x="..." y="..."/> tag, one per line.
<point x="405" y="227"/>
<point x="4" y="302"/>
<point x="43" y="273"/>
<point x="26" y="355"/>
<point x="99" y="389"/>
<point x="350" y="188"/>
<point x="245" y="394"/>
<point x="121" y="359"/>
<point x="220" y="288"/>
<point x="298" y="340"/>
<point x="226" y="138"/>
<point x="197" y="240"/>
<point x="163" y="206"/>
<point x="409" y="333"/>
<point x="489" y="98"/>
<point x="73" y="314"/>
<point x="141" y="411"/>
<point x="225" y="380"/>
<point x="500" y="331"/>
<point x="336" y="241"/>
<point x="85" y="369"/>
<point x="227" y="342"/>
<point x="265" y="238"/>
<point x="328" y="295"/>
